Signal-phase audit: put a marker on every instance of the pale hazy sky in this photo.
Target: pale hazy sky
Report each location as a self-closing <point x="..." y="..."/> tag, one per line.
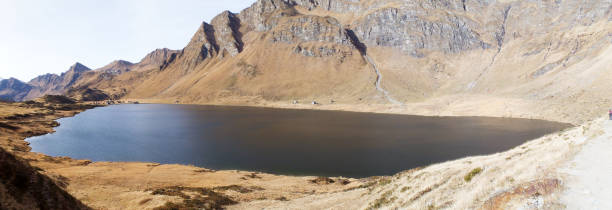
<point x="43" y="36"/>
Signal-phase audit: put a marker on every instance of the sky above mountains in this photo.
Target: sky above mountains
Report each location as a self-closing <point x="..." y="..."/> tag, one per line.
<point x="40" y="36"/>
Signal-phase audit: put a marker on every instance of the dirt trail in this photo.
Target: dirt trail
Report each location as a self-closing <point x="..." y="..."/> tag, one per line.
<point x="588" y="174"/>
<point x="379" y="81"/>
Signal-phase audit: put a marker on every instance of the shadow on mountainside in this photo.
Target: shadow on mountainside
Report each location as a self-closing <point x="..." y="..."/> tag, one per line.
<point x="22" y="187"/>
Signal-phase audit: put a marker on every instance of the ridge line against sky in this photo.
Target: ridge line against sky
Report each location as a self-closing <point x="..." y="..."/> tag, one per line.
<point x="39" y="36"/>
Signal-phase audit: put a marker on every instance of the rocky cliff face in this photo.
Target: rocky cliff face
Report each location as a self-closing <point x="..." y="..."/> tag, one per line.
<point x="202" y="46"/>
<point x="411" y="33"/>
<point x="227" y="33"/>
<point x="412" y="27"/>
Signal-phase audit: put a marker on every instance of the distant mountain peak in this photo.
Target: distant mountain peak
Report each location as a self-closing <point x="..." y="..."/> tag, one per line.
<point x="157" y="57"/>
<point x="13" y="79"/>
<point x="13" y="89"/>
<point x="78" y="67"/>
<point x="116" y="67"/>
<point x="121" y="62"/>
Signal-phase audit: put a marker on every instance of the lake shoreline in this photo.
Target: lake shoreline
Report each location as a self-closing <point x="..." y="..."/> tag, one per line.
<point x="470" y="105"/>
<point x="137" y="185"/>
<point x="118" y="177"/>
<point x="320" y="143"/>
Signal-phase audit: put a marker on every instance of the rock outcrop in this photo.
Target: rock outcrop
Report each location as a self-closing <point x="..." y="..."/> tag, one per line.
<point x="202" y="46"/>
<point x="307" y="28"/>
<point x="411" y="33"/>
<point x="227" y="33"/>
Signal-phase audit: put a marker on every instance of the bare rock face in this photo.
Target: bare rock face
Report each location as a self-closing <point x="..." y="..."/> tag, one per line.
<point x="221" y="37"/>
<point x="330" y="5"/>
<point x="307" y="28"/>
<point x="411" y="28"/>
<point x="202" y="46"/>
<point x="254" y="17"/>
<point x="227" y="33"/>
<point x="404" y="30"/>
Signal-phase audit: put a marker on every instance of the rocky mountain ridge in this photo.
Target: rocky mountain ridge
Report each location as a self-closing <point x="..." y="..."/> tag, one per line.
<point x="69" y="82"/>
<point x="53" y="84"/>
<point x="13" y="89"/>
<point x="425" y="51"/>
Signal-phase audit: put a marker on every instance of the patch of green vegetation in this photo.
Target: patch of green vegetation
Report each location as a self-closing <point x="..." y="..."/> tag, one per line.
<point x="384" y="182"/>
<point x="204" y="199"/>
<point x="382" y="201"/>
<point x="468" y="177"/>
<point x="247" y="70"/>
<point x="322" y="180"/>
<point x="368" y="185"/>
<point x="404" y="189"/>
<point x="431" y="207"/>
<point x="511" y="179"/>
<point x="236" y="188"/>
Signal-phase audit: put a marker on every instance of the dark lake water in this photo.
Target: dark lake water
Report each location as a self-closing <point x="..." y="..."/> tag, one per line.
<point x="281" y="141"/>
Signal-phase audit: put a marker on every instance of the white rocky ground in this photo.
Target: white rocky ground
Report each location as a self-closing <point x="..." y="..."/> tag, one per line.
<point x="589" y="182"/>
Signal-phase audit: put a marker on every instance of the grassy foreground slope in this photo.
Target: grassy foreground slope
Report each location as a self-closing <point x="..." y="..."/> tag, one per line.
<point x="23" y="187"/>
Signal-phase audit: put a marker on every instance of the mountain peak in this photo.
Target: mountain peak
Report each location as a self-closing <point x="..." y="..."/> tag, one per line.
<point x="157" y="57"/>
<point x="13" y="89"/>
<point x="121" y="62"/>
<point x="116" y="67"/>
<point x="13" y="79"/>
<point x="78" y="67"/>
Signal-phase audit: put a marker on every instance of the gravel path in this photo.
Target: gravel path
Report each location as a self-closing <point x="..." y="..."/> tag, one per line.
<point x="589" y="182"/>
